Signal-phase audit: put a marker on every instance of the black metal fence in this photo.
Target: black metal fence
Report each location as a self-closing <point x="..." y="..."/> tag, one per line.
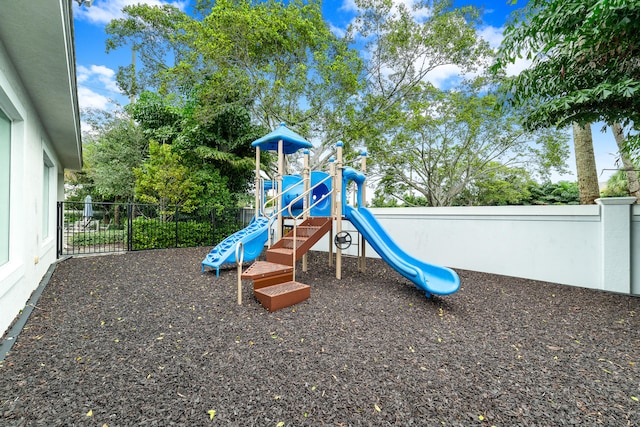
<point x="120" y="227"/>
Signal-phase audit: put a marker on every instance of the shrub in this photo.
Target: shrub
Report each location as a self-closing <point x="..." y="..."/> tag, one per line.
<point x="98" y="238"/>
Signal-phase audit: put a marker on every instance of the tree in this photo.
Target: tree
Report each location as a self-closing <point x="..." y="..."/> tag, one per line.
<point x="450" y="146"/>
<point x="278" y="60"/>
<point x="282" y="62"/>
<point x="633" y="186"/>
<point x="113" y="148"/>
<point x="214" y="146"/>
<point x="617" y="185"/>
<point x="585" y="66"/>
<point x="501" y="185"/>
<point x="549" y="193"/>
<point x="401" y="47"/>
<point x="585" y="164"/>
<point x="162" y="180"/>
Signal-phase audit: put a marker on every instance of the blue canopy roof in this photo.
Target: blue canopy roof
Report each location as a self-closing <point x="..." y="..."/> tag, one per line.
<point x="291" y="141"/>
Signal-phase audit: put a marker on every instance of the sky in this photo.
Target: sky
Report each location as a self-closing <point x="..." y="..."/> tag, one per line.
<point x="96" y="69"/>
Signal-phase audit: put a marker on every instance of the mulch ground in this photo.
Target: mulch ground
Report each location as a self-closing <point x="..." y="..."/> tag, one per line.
<point x="146" y="339"/>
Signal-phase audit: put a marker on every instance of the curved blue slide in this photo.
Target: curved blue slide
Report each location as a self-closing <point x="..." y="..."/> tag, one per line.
<point x="253" y="238"/>
<point x="433" y="279"/>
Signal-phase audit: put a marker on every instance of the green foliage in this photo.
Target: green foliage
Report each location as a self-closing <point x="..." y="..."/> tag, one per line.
<point x="155" y="233"/>
<point x="499" y="186"/>
<point x="585" y="66"/>
<point x="402" y="46"/>
<point x="158" y="119"/>
<point x="111" y="152"/>
<point x="278" y="59"/>
<point x="214" y="144"/>
<point x="457" y="147"/>
<point x="560" y="193"/>
<point x="162" y="179"/>
<point x="380" y="200"/>
<point x="98" y="238"/>
<point x="617" y="185"/>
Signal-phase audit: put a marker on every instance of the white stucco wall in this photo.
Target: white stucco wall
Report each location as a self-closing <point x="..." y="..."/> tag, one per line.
<point x="568" y="245"/>
<point x="30" y="253"/>
<point x="550" y="243"/>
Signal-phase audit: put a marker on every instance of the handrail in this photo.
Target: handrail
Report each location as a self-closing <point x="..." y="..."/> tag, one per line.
<point x="301" y="214"/>
<point x="274" y="198"/>
<point x="304" y="193"/>
<point x="295" y="228"/>
<point x="275" y="214"/>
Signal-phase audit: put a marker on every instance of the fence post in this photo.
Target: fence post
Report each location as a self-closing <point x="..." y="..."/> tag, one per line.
<point x="60" y="225"/>
<point x="129" y="227"/>
<point x="615" y="214"/>
<point x="176" y="219"/>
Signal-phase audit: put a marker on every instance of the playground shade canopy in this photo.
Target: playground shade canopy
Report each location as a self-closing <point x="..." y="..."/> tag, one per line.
<point x="291" y="141"/>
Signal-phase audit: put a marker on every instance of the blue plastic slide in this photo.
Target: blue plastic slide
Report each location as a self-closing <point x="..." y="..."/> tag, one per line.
<point x="432" y="279"/>
<point x="253" y="239"/>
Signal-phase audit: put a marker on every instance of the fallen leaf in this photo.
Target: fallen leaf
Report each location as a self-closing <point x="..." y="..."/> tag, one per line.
<point x="280" y="424"/>
<point x="376" y="407"/>
<point x="212" y="413"/>
<point x="90" y="413"/>
<point x="634" y="398"/>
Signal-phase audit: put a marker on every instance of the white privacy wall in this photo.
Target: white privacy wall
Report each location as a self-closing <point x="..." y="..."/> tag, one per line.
<point x="592" y="246"/>
<point x="550" y="243"/>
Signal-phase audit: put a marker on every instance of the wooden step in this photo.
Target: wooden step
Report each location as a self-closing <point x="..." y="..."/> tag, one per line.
<point x="306" y="230"/>
<point x="307" y="234"/>
<point x="265" y="273"/>
<point x="280" y="255"/>
<point x="283" y="295"/>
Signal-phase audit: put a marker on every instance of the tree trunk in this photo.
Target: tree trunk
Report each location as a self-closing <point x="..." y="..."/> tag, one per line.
<point x="116" y="211"/>
<point x="632" y="176"/>
<point x="585" y="164"/>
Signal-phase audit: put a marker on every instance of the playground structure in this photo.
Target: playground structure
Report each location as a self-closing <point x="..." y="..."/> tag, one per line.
<point x="311" y="205"/>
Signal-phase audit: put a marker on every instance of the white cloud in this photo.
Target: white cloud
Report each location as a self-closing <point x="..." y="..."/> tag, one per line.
<point x="348" y="6"/>
<point x="337" y="31"/>
<point x="419" y="14"/>
<point x="90" y="99"/>
<point x="517" y="67"/>
<point x="100" y="74"/>
<point x="103" y="11"/>
<point x="97" y="87"/>
<point x="493" y="35"/>
<point x="442" y="76"/>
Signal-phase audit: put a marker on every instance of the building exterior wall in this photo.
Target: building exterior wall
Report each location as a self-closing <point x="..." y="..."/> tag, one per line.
<point x="30" y="251"/>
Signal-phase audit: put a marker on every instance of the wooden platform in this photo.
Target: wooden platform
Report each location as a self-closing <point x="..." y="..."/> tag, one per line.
<point x="264" y="273"/>
<point x="282" y="295"/>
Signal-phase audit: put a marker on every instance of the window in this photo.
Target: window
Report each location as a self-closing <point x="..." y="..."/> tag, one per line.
<point x="5" y="185"/>
<point x="46" y="191"/>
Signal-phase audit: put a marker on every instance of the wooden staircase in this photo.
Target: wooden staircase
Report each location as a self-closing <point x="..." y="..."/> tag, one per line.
<point x="273" y="283"/>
